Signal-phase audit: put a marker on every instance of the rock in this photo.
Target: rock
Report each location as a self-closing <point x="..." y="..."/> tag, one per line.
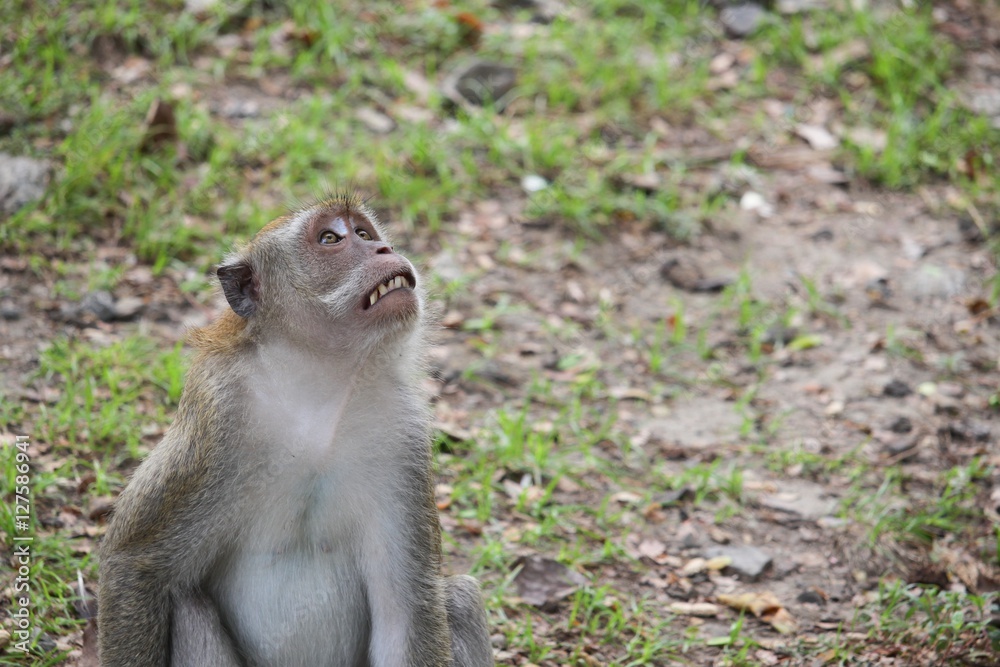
<point x="480" y="82"/>
<point x="22" y="181"/>
<point x="901" y="425"/>
<point x="817" y="136"/>
<point x="532" y="183"/>
<point x="742" y="20"/>
<point x="801" y="499"/>
<point x="969" y="230"/>
<point x="128" y="308"/>
<point x="674" y="497"/>
<point x="754" y="201"/>
<point x="903" y="448"/>
<point x="514" y="4"/>
<point x="810" y="597"/>
<point x="375" y="120"/>
<point x="896" y="389"/>
<point x="747" y="561"/>
<point x="878" y="291"/>
<point x="684" y="274"/>
<point x="9" y="311"/>
<point x="967" y="431"/>
<point x="799" y="6"/>
<point x="779" y="334"/>
<point x="100" y="303"/>
<point x="8" y="122"/>
<point x="543" y="582"/>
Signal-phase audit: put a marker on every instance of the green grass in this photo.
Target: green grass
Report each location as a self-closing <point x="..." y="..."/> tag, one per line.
<point x="604" y="91"/>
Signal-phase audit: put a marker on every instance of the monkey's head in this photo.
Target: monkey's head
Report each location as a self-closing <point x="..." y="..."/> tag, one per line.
<point x="325" y="271"/>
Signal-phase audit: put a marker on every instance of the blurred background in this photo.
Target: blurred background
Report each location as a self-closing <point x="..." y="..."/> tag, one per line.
<point x="716" y="379"/>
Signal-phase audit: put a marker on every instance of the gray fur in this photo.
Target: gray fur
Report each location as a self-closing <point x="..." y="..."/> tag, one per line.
<point x="287" y="519"/>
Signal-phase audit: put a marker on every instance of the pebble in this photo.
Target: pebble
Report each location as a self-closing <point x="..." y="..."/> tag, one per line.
<point x="531" y="183"/>
<point x="747" y="561"/>
<point x="375" y="120"/>
<point x="479" y="82"/>
<point x="742" y="20"/>
<point x="10" y="312"/>
<point x="896" y="389"/>
<point x="810" y="597"/>
<point x="22" y="181"/>
<point x="100" y="303"/>
<point x="901" y="425"/>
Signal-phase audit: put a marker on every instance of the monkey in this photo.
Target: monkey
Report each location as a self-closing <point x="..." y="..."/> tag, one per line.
<point x="287" y="517"/>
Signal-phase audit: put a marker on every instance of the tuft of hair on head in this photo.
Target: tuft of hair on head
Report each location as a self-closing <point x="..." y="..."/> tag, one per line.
<point x="347" y="199"/>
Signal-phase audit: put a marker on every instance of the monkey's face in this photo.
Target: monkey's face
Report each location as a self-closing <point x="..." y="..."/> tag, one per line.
<point x="326" y="270"/>
<point x="360" y="277"/>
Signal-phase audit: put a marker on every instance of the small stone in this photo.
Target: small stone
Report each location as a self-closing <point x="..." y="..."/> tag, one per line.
<point x="685" y="274"/>
<point x="375" y="120"/>
<point x="905" y="447"/>
<point x="834" y="408"/>
<point x="9" y="311"/>
<point x="969" y="230"/>
<point x="100" y="303"/>
<point x="779" y="334"/>
<point x="901" y="425"/>
<point x="878" y="291"/>
<point x="810" y="597"/>
<point x="480" y="82"/>
<point x="944" y="405"/>
<point x="799" y="6"/>
<point x="818" y="137"/>
<point x="748" y="562"/>
<point x="927" y="389"/>
<point x="897" y="389"/>
<point x="742" y="20"/>
<point x="7" y="122"/>
<point x="532" y="183"/>
<point x="674" y="497"/>
<point x="967" y="431"/>
<point x="128" y="308"/>
<point x="22" y="181"/>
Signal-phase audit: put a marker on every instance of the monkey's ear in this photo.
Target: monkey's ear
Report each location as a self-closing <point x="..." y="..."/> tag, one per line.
<point x="240" y="287"/>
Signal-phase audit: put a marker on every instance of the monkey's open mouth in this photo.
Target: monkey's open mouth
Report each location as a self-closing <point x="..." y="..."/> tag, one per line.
<point x="397" y="281"/>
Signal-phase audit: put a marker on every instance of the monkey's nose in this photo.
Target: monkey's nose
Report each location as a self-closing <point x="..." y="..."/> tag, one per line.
<point x="384" y="249"/>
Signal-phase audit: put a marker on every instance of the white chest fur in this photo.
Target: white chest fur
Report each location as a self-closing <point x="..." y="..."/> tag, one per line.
<point x="329" y="468"/>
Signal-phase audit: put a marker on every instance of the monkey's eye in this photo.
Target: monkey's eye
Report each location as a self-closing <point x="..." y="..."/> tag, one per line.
<point x="329" y="238"/>
<point x="365" y="235"/>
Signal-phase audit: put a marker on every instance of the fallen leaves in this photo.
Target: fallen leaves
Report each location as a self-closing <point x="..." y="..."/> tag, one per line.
<point x="543" y="582"/>
<point x="765" y="606"/>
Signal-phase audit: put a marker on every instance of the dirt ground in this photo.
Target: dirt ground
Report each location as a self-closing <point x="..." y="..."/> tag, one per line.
<point x="834" y="332"/>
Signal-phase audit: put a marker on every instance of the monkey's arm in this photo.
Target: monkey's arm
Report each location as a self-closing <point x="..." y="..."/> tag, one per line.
<point x="406" y="592"/>
<point x="198" y="638"/>
<point x="134" y="614"/>
<point x="153" y="555"/>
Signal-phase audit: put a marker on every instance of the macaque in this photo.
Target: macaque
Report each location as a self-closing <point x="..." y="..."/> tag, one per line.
<point x="287" y="518"/>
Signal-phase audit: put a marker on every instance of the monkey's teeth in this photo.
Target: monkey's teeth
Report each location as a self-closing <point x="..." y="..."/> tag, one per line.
<point x="386" y="287"/>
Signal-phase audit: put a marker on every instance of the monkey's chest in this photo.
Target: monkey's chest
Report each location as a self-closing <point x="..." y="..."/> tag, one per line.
<point x="291" y="591"/>
<point x="295" y="604"/>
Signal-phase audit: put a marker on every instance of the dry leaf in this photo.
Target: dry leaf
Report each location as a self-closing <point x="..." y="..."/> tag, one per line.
<point x="702" y="609"/>
<point x="765" y="606"/>
<point x="543" y="582"/>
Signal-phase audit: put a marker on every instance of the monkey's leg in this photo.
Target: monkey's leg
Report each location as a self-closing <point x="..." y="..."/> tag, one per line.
<point x="198" y="638"/>
<point x="470" y="638"/>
